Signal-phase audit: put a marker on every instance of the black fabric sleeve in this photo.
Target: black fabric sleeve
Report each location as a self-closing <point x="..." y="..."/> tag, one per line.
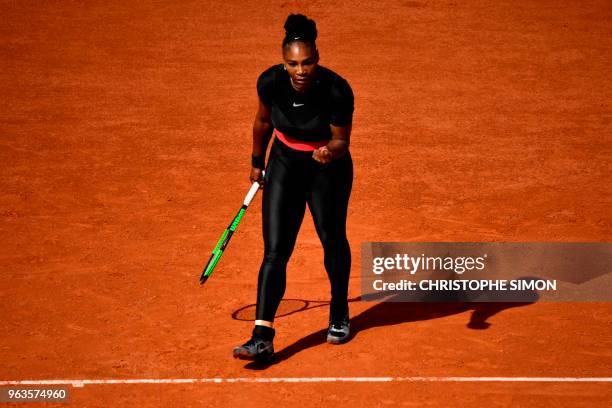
<point x="342" y="103"/>
<point x="265" y="86"/>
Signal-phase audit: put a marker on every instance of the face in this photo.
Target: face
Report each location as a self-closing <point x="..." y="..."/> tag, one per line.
<point x="301" y="64"/>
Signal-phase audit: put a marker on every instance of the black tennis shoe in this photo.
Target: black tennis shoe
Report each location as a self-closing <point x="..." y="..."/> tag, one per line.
<point x="339" y="332"/>
<point x="256" y="349"/>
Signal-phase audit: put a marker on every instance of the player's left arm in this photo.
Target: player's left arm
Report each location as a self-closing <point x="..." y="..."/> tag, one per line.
<point x="341" y="123"/>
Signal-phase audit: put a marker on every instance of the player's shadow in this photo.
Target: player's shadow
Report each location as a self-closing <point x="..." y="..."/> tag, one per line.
<point x="393" y="309"/>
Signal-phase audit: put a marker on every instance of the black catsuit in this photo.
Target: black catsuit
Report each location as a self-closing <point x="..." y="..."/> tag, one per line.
<point x="293" y="179"/>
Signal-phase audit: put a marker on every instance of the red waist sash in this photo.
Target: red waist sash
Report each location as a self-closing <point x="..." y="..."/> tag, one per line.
<point x="299" y="144"/>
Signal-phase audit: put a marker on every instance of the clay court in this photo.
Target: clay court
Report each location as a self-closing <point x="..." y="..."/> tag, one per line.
<point x="125" y="145"/>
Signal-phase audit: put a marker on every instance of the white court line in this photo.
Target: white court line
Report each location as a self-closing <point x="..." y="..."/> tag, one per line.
<point x="82" y="383"/>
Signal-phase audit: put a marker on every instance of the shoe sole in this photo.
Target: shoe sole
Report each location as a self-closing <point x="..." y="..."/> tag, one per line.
<point x="338" y="340"/>
<point x="250" y="357"/>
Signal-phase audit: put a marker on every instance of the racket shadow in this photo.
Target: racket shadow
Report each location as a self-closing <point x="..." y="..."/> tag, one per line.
<point x="287" y="307"/>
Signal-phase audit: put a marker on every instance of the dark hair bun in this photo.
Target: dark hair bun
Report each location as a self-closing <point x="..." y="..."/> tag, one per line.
<point x="298" y="27"/>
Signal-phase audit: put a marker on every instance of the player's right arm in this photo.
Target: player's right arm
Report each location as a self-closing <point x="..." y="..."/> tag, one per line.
<point x="262" y="131"/>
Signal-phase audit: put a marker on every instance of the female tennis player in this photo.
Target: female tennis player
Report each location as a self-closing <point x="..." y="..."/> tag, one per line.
<point x="309" y="109"/>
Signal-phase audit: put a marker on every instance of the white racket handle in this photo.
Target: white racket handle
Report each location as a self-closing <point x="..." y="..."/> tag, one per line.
<point x="251" y="194"/>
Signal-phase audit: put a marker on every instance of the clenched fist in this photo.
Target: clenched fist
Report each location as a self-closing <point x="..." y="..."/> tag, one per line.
<point x="322" y="155"/>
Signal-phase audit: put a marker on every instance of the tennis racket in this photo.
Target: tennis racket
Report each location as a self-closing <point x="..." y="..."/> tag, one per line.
<point x="227" y="235"/>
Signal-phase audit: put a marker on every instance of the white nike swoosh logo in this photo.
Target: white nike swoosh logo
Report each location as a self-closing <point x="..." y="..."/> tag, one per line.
<point x="295" y="105"/>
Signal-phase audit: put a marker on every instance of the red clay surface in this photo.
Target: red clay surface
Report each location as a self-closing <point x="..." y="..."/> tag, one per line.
<point x="125" y="143"/>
